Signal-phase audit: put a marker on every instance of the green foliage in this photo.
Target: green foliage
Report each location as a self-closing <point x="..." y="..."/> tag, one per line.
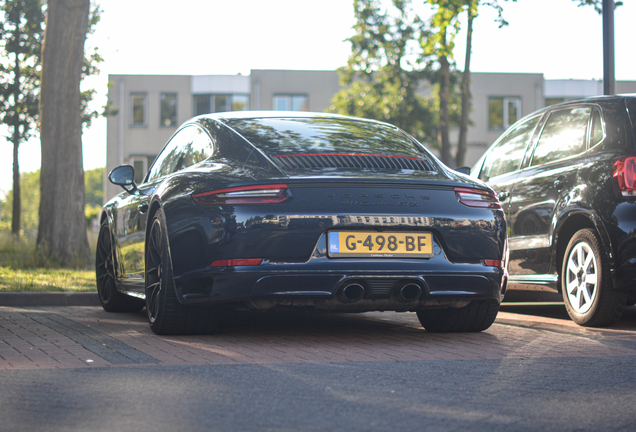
<point x="384" y="73"/>
<point x="30" y="191"/>
<point x="94" y="186"/>
<point x="597" y="4"/>
<point x="21" y="35"/>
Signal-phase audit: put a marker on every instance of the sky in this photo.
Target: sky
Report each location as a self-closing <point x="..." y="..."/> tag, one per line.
<point x="210" y="37"/>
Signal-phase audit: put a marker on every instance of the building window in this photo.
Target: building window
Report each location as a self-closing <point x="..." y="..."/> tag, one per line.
<point x="168" y="116"/>
<point x="211" y="103"/>
<point x="139" y="163"/>
<point x="291" y="103"/>
<point x="503" y="112"/>
<point x="138" y="113"/>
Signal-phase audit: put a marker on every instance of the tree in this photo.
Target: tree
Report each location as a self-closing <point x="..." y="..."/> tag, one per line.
<point x="62" y="225"/>
<point x="21" y="46"/>
<point x="384" y="72"/>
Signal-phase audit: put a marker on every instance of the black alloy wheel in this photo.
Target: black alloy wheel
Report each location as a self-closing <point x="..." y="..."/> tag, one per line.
<point x="586" y="284"/>
<point x="165" y="314"/>
<point x="106" y="275"/>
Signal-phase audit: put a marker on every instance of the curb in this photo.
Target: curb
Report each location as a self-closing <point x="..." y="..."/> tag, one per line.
<point x="48" y="299"/>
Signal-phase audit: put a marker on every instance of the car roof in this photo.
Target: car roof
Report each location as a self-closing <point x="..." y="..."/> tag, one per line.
<point x="248" y="115"/>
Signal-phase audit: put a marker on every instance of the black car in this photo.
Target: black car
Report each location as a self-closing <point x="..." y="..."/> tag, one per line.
<point x="566" y="177"/>
<point x="272" y="210"/>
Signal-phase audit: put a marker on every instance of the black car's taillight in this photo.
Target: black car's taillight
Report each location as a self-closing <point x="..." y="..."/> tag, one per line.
<point x="625" y="174"/>
<point x="255" y="194"/>
<point x="477" y="198"/>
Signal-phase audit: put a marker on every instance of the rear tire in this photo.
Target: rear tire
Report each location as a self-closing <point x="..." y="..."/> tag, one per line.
<point x="165" y="314"/>
<point x="586" y="284"/>
<point x="475" y="317"/>
<point x="106" y="275"/>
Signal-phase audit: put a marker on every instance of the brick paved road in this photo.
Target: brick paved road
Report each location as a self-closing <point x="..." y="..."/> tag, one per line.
<point x="525" y="373"/>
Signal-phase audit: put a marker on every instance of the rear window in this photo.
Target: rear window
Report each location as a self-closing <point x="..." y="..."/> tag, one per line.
<point x="296" y="136"/>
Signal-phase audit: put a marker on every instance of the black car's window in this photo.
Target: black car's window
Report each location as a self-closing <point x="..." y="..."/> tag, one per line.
<point x="507" y="155"/>
<point x="170" y="159"/>
<point x="290" y="136"/>
<point x="563" y="135"/>
<point x="199" y="148"/>
<point x="597" y="128"/>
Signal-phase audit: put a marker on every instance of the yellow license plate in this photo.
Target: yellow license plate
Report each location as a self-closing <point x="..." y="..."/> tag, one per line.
<point x="380" y="244"/>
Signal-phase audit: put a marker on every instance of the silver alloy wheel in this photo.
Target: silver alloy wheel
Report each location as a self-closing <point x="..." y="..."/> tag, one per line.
<point x="582" y="278"/>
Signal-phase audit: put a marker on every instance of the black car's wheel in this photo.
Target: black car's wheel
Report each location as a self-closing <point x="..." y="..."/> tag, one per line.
<point x="472" y="318"/>
<point x="106" y="274"/>
<point x="165" y="314"/>
<point x="589" y="295"/>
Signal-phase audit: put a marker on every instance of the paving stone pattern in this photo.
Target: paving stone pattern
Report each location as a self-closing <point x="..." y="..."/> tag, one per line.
<point x="88" y="337"/>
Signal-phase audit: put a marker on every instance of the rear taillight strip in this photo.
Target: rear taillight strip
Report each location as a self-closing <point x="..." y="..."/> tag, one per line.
<point x="477" y="198"/>
<point x="254" y="194"/>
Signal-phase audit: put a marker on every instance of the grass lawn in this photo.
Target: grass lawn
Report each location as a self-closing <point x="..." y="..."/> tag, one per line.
<point x="46" y="280"/>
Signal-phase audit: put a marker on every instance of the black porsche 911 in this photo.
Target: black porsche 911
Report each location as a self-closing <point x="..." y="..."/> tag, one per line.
<point x="262" y="210"/>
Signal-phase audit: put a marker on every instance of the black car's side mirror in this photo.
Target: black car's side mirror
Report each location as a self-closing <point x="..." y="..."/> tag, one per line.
<point x="123" y="175"/>
<point x="463" y="170"/>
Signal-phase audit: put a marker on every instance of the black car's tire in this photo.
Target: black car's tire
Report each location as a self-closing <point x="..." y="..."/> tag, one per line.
<point x="106" y="275"/>
<point x="165" y="314"/>
<point x="475" y="317"/>
<point x="586" y="284"/>
<point x="631" y="298"/>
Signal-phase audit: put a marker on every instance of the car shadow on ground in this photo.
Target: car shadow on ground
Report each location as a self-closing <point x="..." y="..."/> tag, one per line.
<point x="556" y="310"/>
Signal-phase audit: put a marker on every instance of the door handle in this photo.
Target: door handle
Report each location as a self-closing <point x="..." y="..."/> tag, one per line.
<point x="143" y="208"/>
<point x="503" y="195"/>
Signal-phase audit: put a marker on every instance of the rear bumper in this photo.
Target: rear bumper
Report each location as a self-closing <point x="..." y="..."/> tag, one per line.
<point x="385" y="285"/>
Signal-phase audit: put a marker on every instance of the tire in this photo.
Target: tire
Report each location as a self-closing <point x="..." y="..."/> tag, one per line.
<point x="475" y="317"/>
<point x="165" y="314"/>
<point x="106" y="277"/>
<point x="631" y="299"/>
<point x="586" y="284"/>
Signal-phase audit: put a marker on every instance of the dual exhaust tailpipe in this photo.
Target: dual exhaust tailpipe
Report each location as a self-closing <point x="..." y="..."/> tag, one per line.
<point x="406" y="293"/>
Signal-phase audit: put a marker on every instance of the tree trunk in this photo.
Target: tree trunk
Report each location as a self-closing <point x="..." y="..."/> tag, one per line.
<point x="17" y="205"/>
<point x="15" y="221"/>
<point x="463" y="123"/>
<point x="62" y="225"/>
<point x="444" y="95"/>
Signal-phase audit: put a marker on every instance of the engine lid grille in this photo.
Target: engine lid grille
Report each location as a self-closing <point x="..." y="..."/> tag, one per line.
<point x="354" y="161"/>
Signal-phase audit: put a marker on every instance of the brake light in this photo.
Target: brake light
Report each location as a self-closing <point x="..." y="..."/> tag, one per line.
<point x="237" y="262"/>
<point x="625" y="174"/>
<point x="255" y="194"/>
<point x="493" y="263"/>
<point x="477" y="198"/>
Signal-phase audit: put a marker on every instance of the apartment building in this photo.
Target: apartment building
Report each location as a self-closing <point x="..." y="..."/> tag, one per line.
<point x="149" y="108"/>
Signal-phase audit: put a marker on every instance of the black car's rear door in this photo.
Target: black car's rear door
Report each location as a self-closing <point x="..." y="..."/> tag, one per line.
<point x="541" y="189"/>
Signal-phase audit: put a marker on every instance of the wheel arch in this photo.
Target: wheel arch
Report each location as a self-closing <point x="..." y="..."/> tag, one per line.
<point x="569" y="224"/>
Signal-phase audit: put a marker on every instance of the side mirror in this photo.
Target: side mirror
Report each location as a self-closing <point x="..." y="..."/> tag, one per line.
<point x="123" y="175"/>
<point x="463" y="170"/>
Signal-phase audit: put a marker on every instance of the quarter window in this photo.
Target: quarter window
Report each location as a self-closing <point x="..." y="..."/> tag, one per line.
<point x="199" y="149"/>
<point x="291" y="103"/>
<point x="563" y="135"/>
<point x="138" y="103"/>
<point x="169" y="160"/>
<point x="168" y="115"/>
<point x="503" y="112"/>
<point x="507" y="155"/>
<point x="597" y="128"/>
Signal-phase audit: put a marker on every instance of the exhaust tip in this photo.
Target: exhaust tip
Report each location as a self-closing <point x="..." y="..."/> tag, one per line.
<point x="352" y="293"/>
<point x="410" y="292"/>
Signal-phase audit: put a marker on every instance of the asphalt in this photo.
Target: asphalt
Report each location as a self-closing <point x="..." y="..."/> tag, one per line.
<point x="81" y="368"/>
